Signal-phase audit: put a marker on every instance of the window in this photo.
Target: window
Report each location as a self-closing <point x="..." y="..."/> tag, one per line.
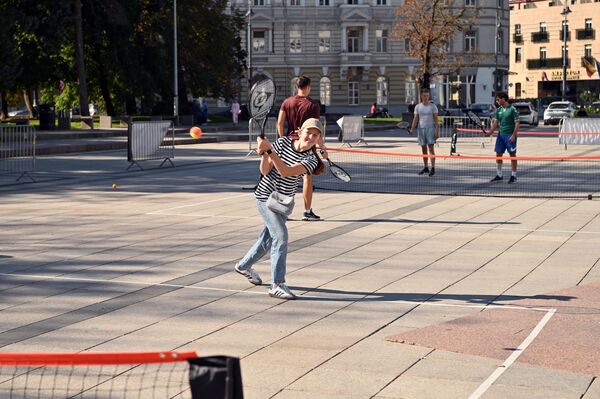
<point x="353" y="40"/>
<point x="352" y="2"/>
<point x="500" y="43"/>
<point x="353" y="93"/>
<point x="564" y="51"/>
<point x="295" y="41"/>
<point x="469" y="3"/>
<point x="517" y="29"/>
<point x="587" y="51"/>
<point x="518" y="54"/>
<point x="323" y="2"/>
<point x="382" y="91"/>
<point x="470" y="42"/>
<point x="381" y="2"/>
<point x="324" y="41"/>
<point x="259" y="2"/>
<point x="382" y="36"/>
<point x="588" y="24"/>
<point x="407" y="45"/>
<point x="543" y="27"/>
<point x="258" y="41"/>
<point x="542" y="53"/>
<point x="295" y="3"/>
<point x="325" y="91"/>
<point x="517" y="90"/>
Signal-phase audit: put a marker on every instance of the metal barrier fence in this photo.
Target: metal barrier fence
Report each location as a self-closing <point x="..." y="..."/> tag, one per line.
<point x="468" y="133"/>
<point x="352" y="128"/>
<point x="17" y="150"/>
<point x="146" y="141"/>
<point x="254" y="132"/>
<point x="579" y="131"/>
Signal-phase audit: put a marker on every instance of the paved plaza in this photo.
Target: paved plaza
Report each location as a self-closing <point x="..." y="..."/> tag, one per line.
<point x="400" y="296"/>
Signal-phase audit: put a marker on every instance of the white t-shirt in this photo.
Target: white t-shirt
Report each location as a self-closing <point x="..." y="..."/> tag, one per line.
<point x="425" y="112"/>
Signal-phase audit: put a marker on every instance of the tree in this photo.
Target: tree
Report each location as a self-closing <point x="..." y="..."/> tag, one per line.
<point x="430" y="26"/>
<point x="81" y="76"/>
<point x="10" y="68"/>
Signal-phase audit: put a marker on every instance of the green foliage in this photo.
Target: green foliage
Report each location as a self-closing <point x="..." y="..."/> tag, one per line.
<point x="587" y="97"/>
<point x="128" y="51"/>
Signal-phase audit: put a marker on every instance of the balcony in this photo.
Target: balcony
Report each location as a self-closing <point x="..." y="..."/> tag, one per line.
<point x="586" y="34"/>
<point x="352" y="58"/>
<point x="540" y="37"/>
<point x="540" y="63"/>
<point x="562" y="35"/>
<point x="517" y="38"/>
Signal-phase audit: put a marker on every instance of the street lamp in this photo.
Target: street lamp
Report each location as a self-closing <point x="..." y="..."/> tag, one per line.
<point x="175" y="67"/>
<point x="249" y="16"/>
<point x="565" y="12"/>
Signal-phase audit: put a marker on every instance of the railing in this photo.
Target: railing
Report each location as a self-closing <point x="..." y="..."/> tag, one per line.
<point x="540" y="63"/>
<point x="517" y="38"/>
<point x="539" y="37"/>
<point x="585" y="34"/>
<point x="17" y="150"/>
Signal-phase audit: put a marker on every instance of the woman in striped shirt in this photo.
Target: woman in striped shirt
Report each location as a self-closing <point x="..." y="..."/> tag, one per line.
<point x="282" y="164"/>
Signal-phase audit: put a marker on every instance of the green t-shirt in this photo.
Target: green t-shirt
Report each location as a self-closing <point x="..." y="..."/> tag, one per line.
<point x="507" y="118"/>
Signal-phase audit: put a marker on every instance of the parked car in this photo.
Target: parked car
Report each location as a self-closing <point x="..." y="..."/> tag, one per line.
<point x="483" y="110"/>
<point x="558" y="110"/>
<point x="19" y="112"/>
<point x="526" y="113"/>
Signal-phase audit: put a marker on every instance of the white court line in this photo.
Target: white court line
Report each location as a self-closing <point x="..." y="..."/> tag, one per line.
<point x="194" y="287"/>
<point x="513" y="356"/>
<point x="197" y="203"/>
<point x="413" y="222"/>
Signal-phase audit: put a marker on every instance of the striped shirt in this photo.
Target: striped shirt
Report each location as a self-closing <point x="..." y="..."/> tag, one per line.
<point x="285" y="185"/>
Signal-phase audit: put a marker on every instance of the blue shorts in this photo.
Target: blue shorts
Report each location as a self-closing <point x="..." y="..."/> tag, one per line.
<point x="503" y="144"/>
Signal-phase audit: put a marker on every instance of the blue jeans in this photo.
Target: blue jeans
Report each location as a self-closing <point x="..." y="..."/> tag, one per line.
<point x="274" y="236"/>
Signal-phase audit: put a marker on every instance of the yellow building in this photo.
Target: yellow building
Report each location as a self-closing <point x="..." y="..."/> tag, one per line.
<point x="536" y="48"/>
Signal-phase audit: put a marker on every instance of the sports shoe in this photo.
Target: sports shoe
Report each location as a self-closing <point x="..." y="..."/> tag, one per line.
<point x="250" y="274"/>
<point x="497" y="178"/>
<point x="425" y="170"/>
<point x="310" y="216"/>
<point x="512" y="179"/>
<point x="432" y="172"/>
<point x="281" y="291"/>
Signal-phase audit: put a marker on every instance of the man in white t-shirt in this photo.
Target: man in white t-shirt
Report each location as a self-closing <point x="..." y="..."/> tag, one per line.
<point x="428" y="131"/>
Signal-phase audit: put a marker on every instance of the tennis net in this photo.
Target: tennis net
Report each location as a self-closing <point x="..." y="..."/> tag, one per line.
<point x="96" y="375"/>
<point x="396" y="172"/>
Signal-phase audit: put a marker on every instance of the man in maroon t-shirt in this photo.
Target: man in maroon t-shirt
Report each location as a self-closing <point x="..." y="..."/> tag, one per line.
<point x="295" y="110"/>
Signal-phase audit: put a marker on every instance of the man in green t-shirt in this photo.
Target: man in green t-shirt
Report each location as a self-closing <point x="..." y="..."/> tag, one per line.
<point x="507" y="122"/>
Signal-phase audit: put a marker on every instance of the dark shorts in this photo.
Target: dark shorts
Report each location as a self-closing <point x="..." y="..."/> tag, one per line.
<point x="503" y="144"/>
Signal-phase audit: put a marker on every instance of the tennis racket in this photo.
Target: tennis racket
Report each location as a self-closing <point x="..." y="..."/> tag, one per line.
<point x="338" y="172"/>
<point x="260" y="103"/>
<point x="262" y="98"/>
<point x="404" y="126"/>
<point x="477" y="121"/>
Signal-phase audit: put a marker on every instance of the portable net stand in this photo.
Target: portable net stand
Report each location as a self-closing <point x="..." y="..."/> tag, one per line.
<point x="119" y="375"/>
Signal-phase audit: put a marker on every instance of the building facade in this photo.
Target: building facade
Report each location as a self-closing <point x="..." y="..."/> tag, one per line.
<point x="537" y="43"/>
<point x="345" y="47"/>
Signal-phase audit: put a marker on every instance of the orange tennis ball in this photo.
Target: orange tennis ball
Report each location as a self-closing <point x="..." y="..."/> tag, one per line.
<point x="196" y="132"/>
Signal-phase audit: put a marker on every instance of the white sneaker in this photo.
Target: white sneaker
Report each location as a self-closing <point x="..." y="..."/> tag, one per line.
<point x="281" y="291"/>
<point x="250" y="274"/>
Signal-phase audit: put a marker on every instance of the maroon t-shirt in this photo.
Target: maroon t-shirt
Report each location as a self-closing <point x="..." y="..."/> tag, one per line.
<point x="298" y="109"/>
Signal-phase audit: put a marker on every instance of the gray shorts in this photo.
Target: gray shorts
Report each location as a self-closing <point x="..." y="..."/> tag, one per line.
<point x="426" y="135"/>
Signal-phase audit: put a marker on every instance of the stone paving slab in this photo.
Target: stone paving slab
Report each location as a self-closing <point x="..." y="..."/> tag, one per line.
<point x="148" y="266"/>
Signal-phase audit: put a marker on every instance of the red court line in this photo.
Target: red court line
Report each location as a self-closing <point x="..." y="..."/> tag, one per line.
<point x="521" y="133"/>
<point x="479" y="157"/>
<point x="94" y="358"/>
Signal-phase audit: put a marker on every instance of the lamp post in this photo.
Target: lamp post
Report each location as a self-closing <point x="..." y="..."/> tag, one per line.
<point x="249" y="16"/>
<point x="496" y="51"/>
<point x="175" y="67"/>
<point x="565" y="12"/>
